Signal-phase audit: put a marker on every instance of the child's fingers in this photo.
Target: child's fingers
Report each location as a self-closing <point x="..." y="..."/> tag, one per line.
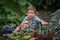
<point x="26" y="22"/>
<point x="24" y="26"/>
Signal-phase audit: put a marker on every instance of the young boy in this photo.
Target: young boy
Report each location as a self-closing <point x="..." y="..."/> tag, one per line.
<point x="32" y="20"/>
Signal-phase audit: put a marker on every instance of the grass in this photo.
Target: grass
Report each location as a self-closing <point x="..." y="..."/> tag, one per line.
<point x="2" y="38"/>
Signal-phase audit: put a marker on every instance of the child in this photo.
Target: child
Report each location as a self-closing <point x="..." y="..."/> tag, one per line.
<point x="31" y="18"/>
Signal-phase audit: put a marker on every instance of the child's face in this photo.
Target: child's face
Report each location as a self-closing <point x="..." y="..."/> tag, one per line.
<point x="31" y="14"/>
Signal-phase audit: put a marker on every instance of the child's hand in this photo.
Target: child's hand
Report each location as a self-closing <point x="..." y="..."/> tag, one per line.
<point x="25" y="22"/>
<point x="24" y="25"/>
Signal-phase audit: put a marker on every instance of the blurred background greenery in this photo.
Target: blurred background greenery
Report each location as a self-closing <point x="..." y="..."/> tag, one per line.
<point x="13" y="11"/>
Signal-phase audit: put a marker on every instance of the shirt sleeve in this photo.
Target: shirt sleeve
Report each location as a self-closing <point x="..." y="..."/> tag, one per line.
<point x="25" y="19"/>
<point x="40" y="20"/>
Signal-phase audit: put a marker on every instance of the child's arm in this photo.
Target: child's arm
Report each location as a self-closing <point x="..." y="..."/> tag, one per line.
<point x="24" y="21"/>
<point x="44" y="23"/>
<point x="21" y="26"/>
<point x="17" y="29"/>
